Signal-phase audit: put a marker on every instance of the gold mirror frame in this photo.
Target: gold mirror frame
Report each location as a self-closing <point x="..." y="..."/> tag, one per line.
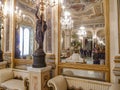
<point x="118" y="6"/>
<point x="2" y="28"/>
<point x="103" y="68"/>
<point x="20" y="61"/>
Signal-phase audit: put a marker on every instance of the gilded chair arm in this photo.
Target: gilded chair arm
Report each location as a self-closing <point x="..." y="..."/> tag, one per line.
<point x="58" y="83"/>
<point x="51" y="85"/>
<point x="26" y="83"/>
<point x="5" y="74"/>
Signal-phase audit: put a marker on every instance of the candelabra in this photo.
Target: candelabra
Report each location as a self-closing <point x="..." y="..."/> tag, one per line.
<point x="41" y="26"/>
<point x="45" y="3"/>
<point x="19" y="15"/>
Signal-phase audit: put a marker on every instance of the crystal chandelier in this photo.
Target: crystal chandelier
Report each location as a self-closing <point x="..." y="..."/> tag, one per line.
<point x="66" y="21"/>
<point x="1" y="8"/>
<point x="82" y="31"/>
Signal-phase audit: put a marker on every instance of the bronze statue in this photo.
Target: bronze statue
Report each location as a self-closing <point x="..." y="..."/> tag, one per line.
<point x="41" y="27"/>
<point x="39" y="55"/>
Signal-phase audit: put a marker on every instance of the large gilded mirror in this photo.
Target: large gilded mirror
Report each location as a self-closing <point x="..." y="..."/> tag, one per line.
<point x="2" y="2"/>
<point x="83" y="32"/>
<point x="24" y="30"/>
<point x="24" y="33"/>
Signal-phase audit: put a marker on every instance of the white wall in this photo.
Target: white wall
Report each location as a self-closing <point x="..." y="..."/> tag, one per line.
<point x="113" y="35"/>
<point x="114" y="49"/>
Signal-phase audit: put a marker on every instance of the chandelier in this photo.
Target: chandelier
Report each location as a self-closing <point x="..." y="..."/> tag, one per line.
<point x="66" y="21"/>
<point x="82" y="32"/>
<point x="3" y="9"/>
<point x="45" y="3"/>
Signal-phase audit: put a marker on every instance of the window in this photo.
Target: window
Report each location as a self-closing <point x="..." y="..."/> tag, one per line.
<point x="24" y="41"/>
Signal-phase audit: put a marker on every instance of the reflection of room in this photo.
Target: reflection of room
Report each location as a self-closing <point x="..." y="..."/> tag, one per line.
<point x="81" y="45"/>
<point x="82" y="73"/>
<point x="24" y="33"/>
<point x="87" y="31"/>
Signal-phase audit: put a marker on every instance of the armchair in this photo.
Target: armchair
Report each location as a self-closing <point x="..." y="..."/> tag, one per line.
<point x="61" y="82"/>
<point x="10" y="80"/>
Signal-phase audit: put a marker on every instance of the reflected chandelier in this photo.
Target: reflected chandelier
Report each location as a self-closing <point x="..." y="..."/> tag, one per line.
<point x="66" y="21"/>
<point x="82" y="31"/>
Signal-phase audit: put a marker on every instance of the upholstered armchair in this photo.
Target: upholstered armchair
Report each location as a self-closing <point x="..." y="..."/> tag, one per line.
<point x="73" y="83"/>
<point x="9" y="80"/>
<point x="58" y="83"/>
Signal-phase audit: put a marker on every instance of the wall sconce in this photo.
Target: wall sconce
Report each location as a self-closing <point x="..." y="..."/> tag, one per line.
<point x="19" y="15"/>
<point x="3" y="9"/>
<point x="41" y="27"/>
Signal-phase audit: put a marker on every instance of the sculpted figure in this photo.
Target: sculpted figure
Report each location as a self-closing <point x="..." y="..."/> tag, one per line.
<point x="41" y="27"/>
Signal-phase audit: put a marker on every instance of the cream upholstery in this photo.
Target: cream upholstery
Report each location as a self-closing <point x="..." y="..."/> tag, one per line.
<point x="72" y="83"/>
<point x="59" y="83"/>
<point x="8" y="80"/>
<point x="14" y="84"/>
<point x="5" y="74"/>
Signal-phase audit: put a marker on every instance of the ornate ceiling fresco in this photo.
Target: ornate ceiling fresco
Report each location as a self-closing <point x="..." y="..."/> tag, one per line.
<point x="86" y="12"/>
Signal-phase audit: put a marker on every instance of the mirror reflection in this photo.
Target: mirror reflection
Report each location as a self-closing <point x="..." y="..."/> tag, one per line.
<point x="82" y="32"/>
<point x="1" y="29"/>
<point x="90" y="74"/>
<point x="24" y="33"/>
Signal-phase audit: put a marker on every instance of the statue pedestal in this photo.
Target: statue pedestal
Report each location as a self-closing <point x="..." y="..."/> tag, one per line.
<point x="39" y="59"/>
<point x="39" y="78"/>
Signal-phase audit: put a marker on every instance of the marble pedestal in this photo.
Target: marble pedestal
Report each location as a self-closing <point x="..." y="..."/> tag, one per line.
<point x="39" y="78"/>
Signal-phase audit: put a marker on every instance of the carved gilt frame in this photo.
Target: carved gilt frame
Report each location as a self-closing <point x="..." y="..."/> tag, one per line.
<point x="103" y="68"/>
<point x="118" y="6"/>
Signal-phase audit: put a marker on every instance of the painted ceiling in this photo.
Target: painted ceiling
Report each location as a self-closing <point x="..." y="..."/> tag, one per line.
<point x="86" y="12"/>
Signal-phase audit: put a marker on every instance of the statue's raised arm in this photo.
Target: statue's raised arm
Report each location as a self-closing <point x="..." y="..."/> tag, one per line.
<point x="36" y="13"/>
